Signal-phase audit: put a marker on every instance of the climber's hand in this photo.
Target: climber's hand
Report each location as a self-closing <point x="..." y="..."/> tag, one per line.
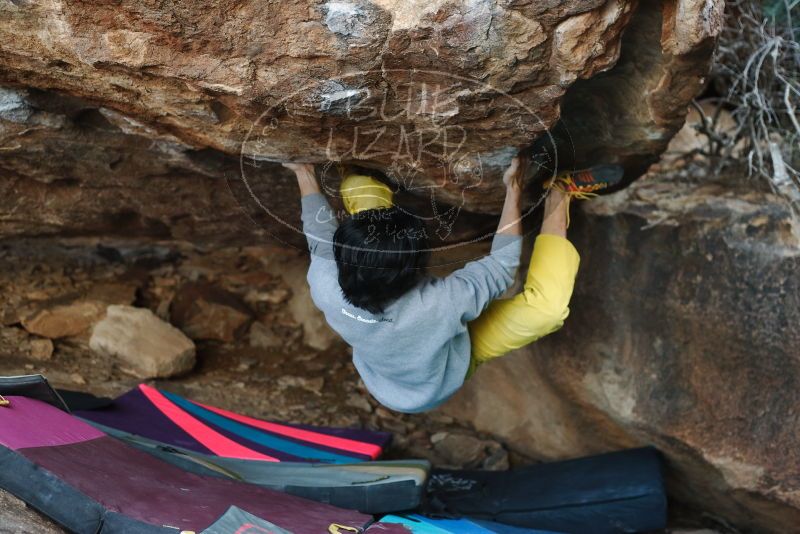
<point x="515" y="172"/>
<point x="306" y="179"/>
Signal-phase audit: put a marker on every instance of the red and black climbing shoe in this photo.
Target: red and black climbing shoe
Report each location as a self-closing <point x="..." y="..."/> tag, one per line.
<point x="587" y="183"/>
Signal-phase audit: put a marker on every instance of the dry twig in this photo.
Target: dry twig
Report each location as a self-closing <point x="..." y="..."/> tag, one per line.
<point x="757" y="71"/>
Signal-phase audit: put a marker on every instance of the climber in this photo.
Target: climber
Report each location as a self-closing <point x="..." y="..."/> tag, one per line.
<point x="416" y="338"/>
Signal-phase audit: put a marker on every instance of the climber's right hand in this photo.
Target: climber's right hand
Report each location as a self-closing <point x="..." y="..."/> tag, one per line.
<point x="306" y="179"/>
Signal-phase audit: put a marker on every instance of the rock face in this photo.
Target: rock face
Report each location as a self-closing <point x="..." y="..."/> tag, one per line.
<point x="439" y="95"/>
<point x="204" y="311"/>
<point x="684" y="333"/>
<point x="144" y="344"/>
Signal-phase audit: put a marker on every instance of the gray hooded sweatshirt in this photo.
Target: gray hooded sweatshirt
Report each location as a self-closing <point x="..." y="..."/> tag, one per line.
<point x="415" y="355"/>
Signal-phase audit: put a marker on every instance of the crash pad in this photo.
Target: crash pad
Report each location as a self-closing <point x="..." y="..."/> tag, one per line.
<point x="605" y="494"/>
<point x="169" y="418"/>
<point x="90" y="482"/>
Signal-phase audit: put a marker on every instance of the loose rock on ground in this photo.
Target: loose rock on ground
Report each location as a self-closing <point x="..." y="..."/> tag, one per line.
<point x="142" y="343"/>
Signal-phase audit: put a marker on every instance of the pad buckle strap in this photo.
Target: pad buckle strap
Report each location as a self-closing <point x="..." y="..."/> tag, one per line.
<point x="335" y="528"/>
<point x="4" y="401"/>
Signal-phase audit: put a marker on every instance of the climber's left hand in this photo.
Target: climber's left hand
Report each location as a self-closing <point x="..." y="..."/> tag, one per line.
<point x="306" y="179"/>
<point x="515" y="172"/>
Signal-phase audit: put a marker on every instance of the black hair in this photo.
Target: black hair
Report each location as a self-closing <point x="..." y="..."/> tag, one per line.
<point x="381" y="254"/>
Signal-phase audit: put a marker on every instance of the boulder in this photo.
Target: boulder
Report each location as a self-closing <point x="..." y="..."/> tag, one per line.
<point x="156" y="107"/>
<point x="64" y="320"/>
<point x="74" y="314"/>
<point x="684" y="333"/>
<point x="143" y="344"/>
<point x="205" y="311"/>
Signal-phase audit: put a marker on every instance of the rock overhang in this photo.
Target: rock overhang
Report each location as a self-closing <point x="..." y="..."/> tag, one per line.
<point x="436" y="95"/>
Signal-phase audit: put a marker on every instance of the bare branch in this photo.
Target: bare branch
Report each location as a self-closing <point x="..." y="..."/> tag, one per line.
<point x="758" y="72"/>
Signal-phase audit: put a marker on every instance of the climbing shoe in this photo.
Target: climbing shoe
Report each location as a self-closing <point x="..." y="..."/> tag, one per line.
<point x="587" y="183"/>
